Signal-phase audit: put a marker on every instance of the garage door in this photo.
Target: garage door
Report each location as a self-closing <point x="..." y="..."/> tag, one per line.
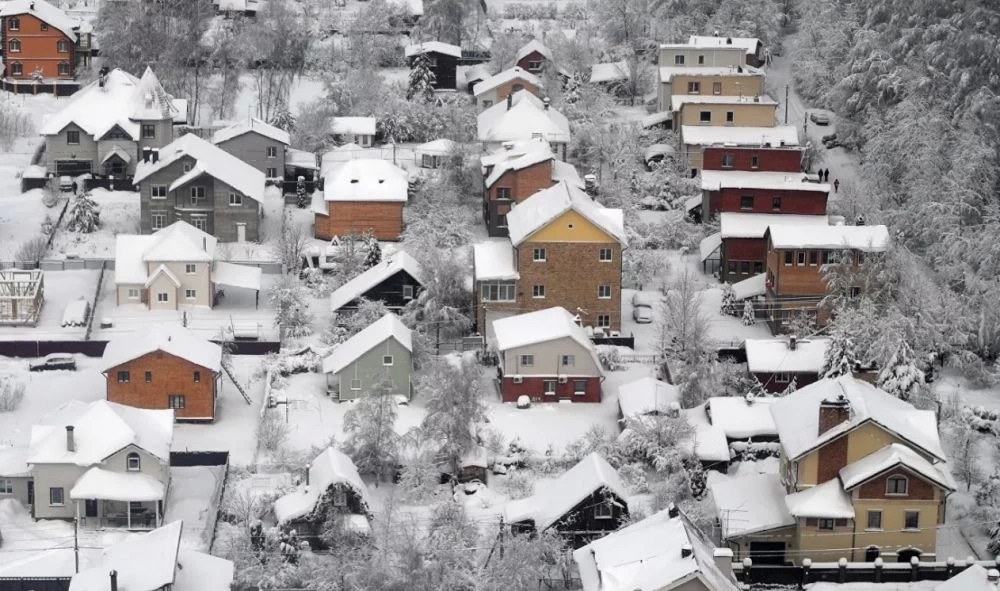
<point x="72" y="167"/>
<point x="767" y="552"/>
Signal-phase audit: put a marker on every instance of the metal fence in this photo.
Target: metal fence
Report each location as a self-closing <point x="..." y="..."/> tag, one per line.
<point x="266" y="267"/>
<point x="758" y="576"/>
<point x="34" y="583"/>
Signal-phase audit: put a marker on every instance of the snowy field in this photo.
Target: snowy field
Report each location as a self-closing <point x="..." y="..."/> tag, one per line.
<point x="192" y="499"/>
<point x="119" y="215"/>
<point x="60" y="288"/>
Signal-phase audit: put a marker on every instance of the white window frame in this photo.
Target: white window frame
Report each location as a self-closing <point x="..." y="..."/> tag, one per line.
<point x="538" y="254"/>
<point x="272" y="152"/>
<point x="190" y="268"/>
<point x="567" y="360"/>
<point x="526" y="360"/>
<point x="609" y="258"/>
<point x="60" y="44"/>
<point x="14" y="24"/>
<point x="578" y="392"/>
<point x="782" y="377"/>
<point x="604" y="292"/>
<point x="133" y="293"/>
<point x="599" y="512"/>
<point x="162" y="297"/>
<point x="538" y="291"/>
<point x="11" y="45"/>
<point x="679" y="60"/>
<point x="355" y="384"/>
<point x="387" y="360"/>
<point x="407" y="292"/>
<point x="157" y="220"/>
<point x="549" y="387"/>
<point x="235" y="200"/>
<point x="190" y="294"/>
<point x="129" y="466"/>
<point x="197" y="194"/>
<point x="158" y="192"/>
<point x="6" y="486"/>
<point x="603" y="320"/>
<point x="271" y="172"/>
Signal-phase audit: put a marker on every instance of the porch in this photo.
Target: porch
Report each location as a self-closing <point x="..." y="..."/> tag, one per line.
<point x="130" y="500"/>
<point x="131" y="515"/>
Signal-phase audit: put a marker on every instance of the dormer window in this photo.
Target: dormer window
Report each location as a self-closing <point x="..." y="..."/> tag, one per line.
<point x="133" y="463"/>
<point x="896" y="485"/>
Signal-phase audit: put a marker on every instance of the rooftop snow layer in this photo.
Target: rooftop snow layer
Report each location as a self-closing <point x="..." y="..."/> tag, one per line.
<point x="433" y="47"/>
<point x="353" y="126"/>
<point x="866" y="238"/>
<point x="440" y="147"/>
<point x="366" y="180"/>
<point x="679" y="100"/>
<point x="750" y="504"/>
<point x="508" y="75"/>
<point x="647" y="395"/>
<point x="974" y="578"/>
<point x="234" y="275"/>
<point x="750" y="44"/>
<point x="609" y="72"/>
<point x="109" y="485"/>
<point x="752" y="287"/>
<point x="668" y="72"/>
<point x="709" y="245"/>
<point x="889" y="457"/>
<point x="211" y="160"/>
<point x="96" y="110"/>
<point x="540" y="326"/>
<point x="494" y="260"/>
<point x="715" y="180"/>
<point x="706" y="135"/>
<point x="150" y="102"/>
<point x="373" y="335"/>
<point x="14" y="462"/>
<point x="545" y="206"/>
<point x="709" y="441"/>
<point x="178" y="242"/>
<point x="564" y="171"/>
<point x="173" y="340"/>
<point x="533" y="46"/>
<point x="143" y="563"/>
<point x="252" y="125"/>
<point x="330" y="467"/>
<point x="43" y="11"/>
<point x="535" y="152"/>
<point x="827" y="500"/>
<point x="774" y="355"/>
<point x="357" y="287"/>
<point x="754" y="225"/>
<point x="740" y="419"/>
<point x="526" y="119"/>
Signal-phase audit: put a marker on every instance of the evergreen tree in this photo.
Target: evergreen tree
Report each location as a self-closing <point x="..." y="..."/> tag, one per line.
<point x="840" y="358"/>
<point x="901" y="377"/>
<point x="421" y="79"/>
<point x="86" y="215"/>
<point x="749" y="316"/>
<point x="301" y="199"/>
<point x="374" y="249"/>
<point x="728" y="307"/>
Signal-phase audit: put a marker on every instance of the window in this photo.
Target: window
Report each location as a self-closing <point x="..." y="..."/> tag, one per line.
<point x="157" y="220"/>
<point x="579" y="387"/>
<point x="603" y="320"/>
<point x="788" y="258"/>
<point x="705" y="116"/>
<point x="56" y="496"/>
<point x="201" y="222"/>
<point x="538" y="255"/>
<point x="716" y="88"/>
<point x="744" y="267"/>
<point x="15" y="46"/>
<point x="911" y="520"/>
<point x="800" y="258"/>
<point x="538" y="291"/>
<point x="45" y="26"/>
<point x="355" y="384"/>
<point x="678" y="60"/>
<point x="549" y="387"/>
<point x="701" y="60"/>
<point x="14" y="23"/>
<point x="158" y="191"/>
<point x="197" y="194"/>
<point x="407" y="292"/>
<point x="694" y="87"/>
<point x="754" y="161"/>
<point x="339" y="497"/>
<point x="813" y="258"/>
<point x="123" y="377"/>
<point x="825" y="524"/>
<point x="776" y="203"/>
<point x="190" y="268"/>
<point x="896" y="485"/>
<point x="6" y="486"/>
<point x="197" y="377"/>
<point x="730" y="117"/>
<point x="874" y="520"/>
<point x="73" y="137"/>
<point x="527" y="360"/>
<point x="604" y="292"/>
<point x="271" y="173"/>
<point x="133" y="293"/>
<point x="568" y="360"/>
<point x="487" y="104"/>
<point x="758" y="267"/>
<point x="605" y="255"/>
<point x="235" y="200"/>
<point x="62" y="46"/>
<point x="731" y="267"/>
<point x="387" y="360"/>
<point x="861" y="258"/>
<point x="503" y="193"/>
<point x="16" y="69"/>
<point x="149" y="377"/>
<point x="132" y="462"/>
<point x="746" y="202"/>
<point x="782" y="378"/>
<point x="603" y="510"/>
<point x="534" y="66"/>
<point x="728" y="160"/>
<point x="186" y="167"/>
<point x="163" y="297"/>
<point x="175" y="401"/>
<point x="497" y="292"/>
<point x="63" y="68"/>
<point x="272" y="152"/>
<point x="149" y="131"/>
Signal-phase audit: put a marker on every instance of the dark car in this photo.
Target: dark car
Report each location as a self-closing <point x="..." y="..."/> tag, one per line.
<point x="53" y="362"/>
<point x="829" y="138"/>
<point x="819" y="118"/>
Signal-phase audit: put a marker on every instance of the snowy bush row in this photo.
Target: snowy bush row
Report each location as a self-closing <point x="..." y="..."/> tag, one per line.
<point x="742" y="451"/>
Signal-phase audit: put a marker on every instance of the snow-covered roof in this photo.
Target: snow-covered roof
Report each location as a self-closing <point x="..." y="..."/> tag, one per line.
<point x="707" y="135"/>
<point x="797" y="416"/>
<point x="178" y="242"/>
<point x="714" y="180"/>
<point x="43" y="11"/>
<point x="557" y="498"/>
<point x="439" y="147"/>
<point x="734" y="224"/>
<point x="533" y="45"/>
<point x="742" y="418"/>
<point x="209" y="159"/>
<point x="750" y="504"/>
<point x="353" y="126"/>
<point x="775" y="356"/>
<point x="173" y="340"/>
<point x="752" y="287"/>
<point x="656" y="119"/>
<point x="709" y="245"/>
<point x="150" y="102"/>
<point x="564" y="171"/>
<point x="476" y="73"/>
<point x="357" y="287"/>
<point x="530" y="153"/>
<point x="366" y="179"/>
<point x="526" y="119"/>
<point x="14" y="462"/>
<point x="494" y="260"/>
<point x="329" y="468"/>
<point x="300" y="158"/>
<point x="234" y="275"/>
<point x="678" y="101"/>
<point x="866" y="238"/>
<point x="433" y="47"/>
<point x="648" y="555"/>
<point x="109" y="485"/>
<point x="749" y="44"/>
<point x="609" y="72"/>
<point x="889" y="457"/>
<point x="645" y="395"/>
<point x="709" y="442"/>
<point x="508" y="75"/>
<point x="973" y="578"/>
<point x="824" y="500"/>
<point x="539" y="326"/>
<point x="101" y="428"/>
<point x="545" y="206"/>
<point x="252" y="125"/>
<point x="163" y="271"/>
<point x="373" y="335"/>
<point x="143" y="563"/>
<point x="668" y="72"/>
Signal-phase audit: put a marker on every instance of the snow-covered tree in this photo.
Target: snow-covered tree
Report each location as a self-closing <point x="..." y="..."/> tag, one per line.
<point x="349" y="257"/>
<point x="343" y="327"/>
<point x="369" y="426"/>
<point x="656" y="441"/>
<point x="301" y="197"/>
<point x="840" y="358"/>
<point x="682" y="327"/>
<point x="900" y="376"/>
<point x="454" y="403"/>
<point x="728" y="306"/>
<point x="85" y="217"/>
<point x="422" y="79"/>
<point x="288" y="298"/>
<point x="374" y="250"/>
<point x="749" y="315"/>
<point x="441" y="308"/>
<point x="965" y="461"/>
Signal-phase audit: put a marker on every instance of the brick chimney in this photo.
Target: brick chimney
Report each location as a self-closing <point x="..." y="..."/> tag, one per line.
<point x="70" y="443"/>
<point x="832" y="412"/>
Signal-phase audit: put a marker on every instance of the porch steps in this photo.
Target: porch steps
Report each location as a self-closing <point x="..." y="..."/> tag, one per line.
<point x="232" y="378"/>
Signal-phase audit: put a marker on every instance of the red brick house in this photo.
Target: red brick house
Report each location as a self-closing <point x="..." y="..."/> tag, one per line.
<point x="759" y="158"/>
<point x="761" y="192"/>
<point x="548" y="357"/>
<point x="38" y="36"/>
<point x="533" y="56"/>
<point x="165" y="367"/>
<point x="359" y="196"/>
<point x="740" y="243"/>
<point x="778" y="362"/>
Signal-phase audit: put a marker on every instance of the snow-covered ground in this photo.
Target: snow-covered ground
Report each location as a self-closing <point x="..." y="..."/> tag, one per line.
<point x="21" y="214"/>
<point x="60" y="289"/>
<point x="119" y="215"/>
<point x="192" y="498"/>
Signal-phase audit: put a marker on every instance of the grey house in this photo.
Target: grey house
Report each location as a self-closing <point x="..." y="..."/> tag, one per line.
<point x="107" y="124"/>
<point x="379" y="354"/>
<point x="203" y="185"/>
<point x="258" y="144"/>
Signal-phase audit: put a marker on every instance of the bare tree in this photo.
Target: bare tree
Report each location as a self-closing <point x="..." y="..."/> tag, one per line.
<point x="282" y="45"/>
<point x="683" y="325"/>
<point x="372" y="442"/>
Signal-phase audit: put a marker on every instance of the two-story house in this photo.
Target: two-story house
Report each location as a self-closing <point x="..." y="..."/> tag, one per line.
<point x="862" y="476"/>
<point x="359" y="196"/>
<point x="731" y="190"/>
<point x="105" y="127"/>
<point x="532" y="56"/>
<point x="442" y="60"/>
<point x="696" y="62"/>
<point x="515" y="172"/>
<point x="795" y="282"/>
<point x="257" y="143"/>
<point x="103" y="463"/>
<point x="753" y="48"/>
<point x="741" y="240"/>
<point x="379" y="356"/>
<point x="546" y="356"/>
<point x="774" y="147"/>
<point x="523" y="116"/>
<point x="564" y="250"/>
<point x="164" y="367"/>
<point x="194" y="181"/>
<point x="497" y="88"/>
<point x="724" y="111"/>
<point x="38" y="37"/>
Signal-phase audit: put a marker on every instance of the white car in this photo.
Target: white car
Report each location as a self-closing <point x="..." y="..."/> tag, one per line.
<point x="642" y="308"/>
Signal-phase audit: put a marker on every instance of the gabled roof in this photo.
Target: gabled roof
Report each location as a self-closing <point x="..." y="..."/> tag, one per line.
<point x="96" y="109"/>
<point x="647" y="556"/>
<point x="164" y="271"/>
<point x="827" y="500"/>
<point x="150" y="102"/>
<point x="180" y="241"/>
<point x="750" y="504"/>
<point x="774" y="355"/>
<point x="433" y="47"/>
<point x="493" y="260"/>
<point x="171" y="339"/>
<point x="143" y="563"/>
<point x="252" y="125"/>
<point x="212" y="160"/>
<point x="45" y="12"/>
<point x="707" y="135"/>
<point x="542" y="326"/>
<point x="101" y="429"/>
<point x="557" y="498"/>
<point x="526" y="119"/>
<point x="715" y="180"/>
<point x="797" y="416"/>
<point x="366" y="179"/>
<point x="609" y="72"/>
<point x="865" y="238"/>
<point x="733" y="224"/>
<point x="545" y="206"/>
<point x="888" y="458"/>
<point x="750" y="44"/>
<point x="508" y="75"/>
<point x="329" y="468"/>
<point x="376" y="333"/>
<point x="353" y="125"/>
<point x="532" y="152"/>
<point x="357" y="287"/>
<point x="645" y="395"/>
<point x="533" y="46"/>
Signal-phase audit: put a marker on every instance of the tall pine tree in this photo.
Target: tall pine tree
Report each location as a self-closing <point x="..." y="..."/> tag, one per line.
<point x="86" y="215"/>
<point x="840" y="357"/>
<point x="422" y="79"/>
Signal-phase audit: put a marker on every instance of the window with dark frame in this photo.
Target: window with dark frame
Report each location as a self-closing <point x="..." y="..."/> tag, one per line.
<point x="176" y="401"/>
<point x="694" y="87"/>
<point x="16" y="69"/>
<point x="896" y="485"/>
<point x="579" y="387"/>
<point x="149" y="377"/>
<point x="730" y="117"/>
<point x="744" y="267"/>
<point x="800" y="257"/>
<point x="148" y="131"/>
<point x="197" y="377"/>
<point x="158" y="192"/>
<point x="14" y="23"/>
<point x="813" y="258"/>
<point x="788" y="258"/>
<point x="705" y="116"/>
<point x="678" y="60"/>
<point x="123" y="377"/>
<point x="874" y="520"/>
<point x="63" y="68"/>
<point x="754" y="161"/>
<point x="746" y="202"/>
<point x="73" y="137"/>
<point x="56" y="496"/>
<point x="758" y="267"/>
<point x="132" y="462"/>
<point x="911" y="520"/>
<point x="549" y="387"/>
<point x="62" y="46"/>
<point x="701" y="60"/>
<point x="716" y="88"/>
<point x="776" y="203"/>
<point x="728" y="160"/>
<point x="825" y="524"/>
<point x="272" y="152"/>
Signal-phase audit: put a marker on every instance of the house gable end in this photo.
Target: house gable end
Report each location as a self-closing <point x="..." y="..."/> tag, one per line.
<point x="919" y="486"/>
<point x="570" y="226"/>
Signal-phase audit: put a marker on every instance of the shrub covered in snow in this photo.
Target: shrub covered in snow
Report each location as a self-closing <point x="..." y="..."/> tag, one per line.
<point x="728" y="306"/>
<point x="272" y="432"/>
<point x="610" y="357"/>
<point x="749" y="316"/>
<point x="12" y="386"/>
<point x="31" y="250"/>
<point x="517" y="485"/>
<point x="742" y="451"/>
<point x="85" y="217"/>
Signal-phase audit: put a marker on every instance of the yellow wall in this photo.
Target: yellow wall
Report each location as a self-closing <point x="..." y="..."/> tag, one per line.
<point x="731" y="85"/>
<point x="891" y="538"/>
<point x="745" y="114"/>
<point x="864" y="440"/>
<point x="560" y="230"/>
<point x="741" y="546"/>
<point x="822" y="545"/>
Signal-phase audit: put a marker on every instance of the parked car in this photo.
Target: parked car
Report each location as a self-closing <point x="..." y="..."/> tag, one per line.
<point x="657" y="153"/>
<point x="642" y="308"/>
<point x="54" y="361"/>
<point x="829" y="138"/>
<point x="819" y="118"/>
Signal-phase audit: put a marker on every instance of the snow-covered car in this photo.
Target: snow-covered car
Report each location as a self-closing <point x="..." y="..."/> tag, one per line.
<point x="656" y="153"/>
<point x="55" y="361"/>
<point x="819" y="118"/>
<point x="642" y="308"/>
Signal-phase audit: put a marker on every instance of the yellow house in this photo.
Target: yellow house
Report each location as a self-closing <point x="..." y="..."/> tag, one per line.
<point x="724" y="110"/>
<point x="709" y="81"/>
<point x="862" y="476"/>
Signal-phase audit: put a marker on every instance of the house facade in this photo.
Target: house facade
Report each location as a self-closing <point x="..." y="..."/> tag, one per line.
<point x="754" y="52"/>
<point x="496" y="89"/>
<point x="743" y="248"/>
<point x="395" y="281"/>
<point x="376" y="360"/>
<point x="761" y="192"/>
<point x="38" y="37"/>
<point x="724" y="111"/>
<point x="522" y="116"/>
<point x="361" y="196"/>
<point x="256" y="143"/>
<point x="742" y="142"/>
<point x="166" y="367"/>
<point x="760" y="158"/>
<point x="356" y="130"/>
<point x="548" y="357"/>
<point x="725" y="80"/>
<point x="443" y="61"/>
<point x="778" y="363"/>
<point x="532" y="57"/>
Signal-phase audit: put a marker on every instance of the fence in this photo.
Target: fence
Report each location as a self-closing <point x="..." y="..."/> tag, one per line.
<point x="187" y="459"/>
<point x="851" y="572"/>
<point x="30" y="87"/>
<point x="109" y="184"/>
<point x="266" y="267"/>
<point x="628" y="341"/>
<point x="28" y="349"/>
<point x="34" y="583"/>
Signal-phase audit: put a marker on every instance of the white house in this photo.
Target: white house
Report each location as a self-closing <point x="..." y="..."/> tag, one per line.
<point x="523" y="116"/>
<point x="359" y="130"/>
<point x="496" y="88"/>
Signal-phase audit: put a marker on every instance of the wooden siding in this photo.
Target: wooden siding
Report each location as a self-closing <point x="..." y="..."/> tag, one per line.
<point x="383" y="219"/>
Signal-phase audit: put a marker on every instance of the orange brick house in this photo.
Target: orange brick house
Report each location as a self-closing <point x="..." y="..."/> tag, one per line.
<point x="532" y="56"/>
<point x="495" y="89"/>
<point x="359" y="196"/>
<point x="38" y="36"/>
<point x="165" y="367"/>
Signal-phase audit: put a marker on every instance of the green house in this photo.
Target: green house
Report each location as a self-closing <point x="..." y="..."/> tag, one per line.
<point x="381" y="353"/>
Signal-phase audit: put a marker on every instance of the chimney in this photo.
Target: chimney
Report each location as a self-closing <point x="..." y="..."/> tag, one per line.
<point x="308" y="466"/>
<point x="993" y="575"/>
<point x="833" y="412"/>
<point x="686" y="550"/>
<point x="729" y="40"/>
<point x="723" y="558"/>
<point x="546" y="101"/>
<point x="510" y="101"/>
<point x="70" y="443"/>
<point x="114" y="580"/>
<point x="204" y="243"/>
<point x="792" y="342"/>
<point x="673" y="511"/>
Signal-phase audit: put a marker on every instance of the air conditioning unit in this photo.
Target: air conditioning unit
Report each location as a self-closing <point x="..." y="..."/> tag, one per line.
<point x="517" y="380"/>
<point x="562" y="379"/>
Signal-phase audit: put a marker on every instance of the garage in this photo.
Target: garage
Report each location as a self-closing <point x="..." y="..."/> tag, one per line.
<point x="767" y="552"/>
<point x="72" y="167"/>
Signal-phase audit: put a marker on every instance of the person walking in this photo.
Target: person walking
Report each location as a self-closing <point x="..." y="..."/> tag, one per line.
<point x="826" y="176"/>
<point x="836" y="185"/>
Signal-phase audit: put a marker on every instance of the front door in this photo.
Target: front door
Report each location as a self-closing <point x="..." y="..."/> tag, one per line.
<point x="90" y="508"/>
<point x="241" y="232"/>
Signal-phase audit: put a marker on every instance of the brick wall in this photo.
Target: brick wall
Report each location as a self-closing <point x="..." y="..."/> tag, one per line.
<point x="385" y="220"/>
<point x="39" y="48"/>
<point x="796" y="202"/>
<point x="768" y="159"/>
<point x="917" y="488"/>
<point x="525" y="182"/>
<point x="171" y="375"/>
<point x="534" y="387"/>
<point x="832" y="457"/>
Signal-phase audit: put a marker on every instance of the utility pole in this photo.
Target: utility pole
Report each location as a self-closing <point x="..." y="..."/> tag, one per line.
<point x="76" y="543"/>
<point x="786" y="104"/>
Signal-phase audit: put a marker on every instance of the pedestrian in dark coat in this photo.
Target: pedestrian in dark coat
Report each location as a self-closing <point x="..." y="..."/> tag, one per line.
<point x="826" y="176"/>
<point x="836" y="185"/>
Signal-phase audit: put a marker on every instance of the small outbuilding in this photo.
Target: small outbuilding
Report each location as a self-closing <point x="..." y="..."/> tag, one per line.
<point x="443" y="61"/>
<point x="380" y="356"/>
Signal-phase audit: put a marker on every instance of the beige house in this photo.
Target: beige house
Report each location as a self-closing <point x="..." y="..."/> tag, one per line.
<point x="707" y="80"/>
<point x="724" y="110"/>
